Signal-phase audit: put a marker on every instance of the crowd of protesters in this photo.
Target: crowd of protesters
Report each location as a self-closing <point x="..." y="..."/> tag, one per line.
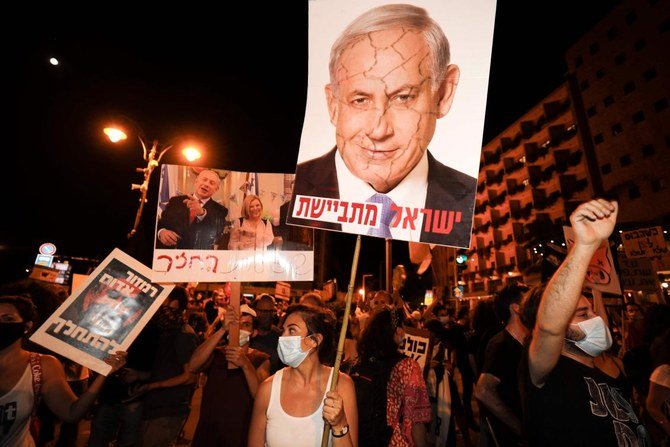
<point x="537" y="366"/>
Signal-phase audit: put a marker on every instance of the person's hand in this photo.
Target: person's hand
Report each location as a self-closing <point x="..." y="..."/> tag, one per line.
<point x="168" y="237"/>
<point x="593" y="221"/>
<point x="236" y="355"/>
<point x="333" y="409"/>
<point x="193" y="203"/>
<point x="116" y="360"/>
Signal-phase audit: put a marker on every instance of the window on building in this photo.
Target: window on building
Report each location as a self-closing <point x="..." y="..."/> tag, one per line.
<point x="664" y="25"/>
<point x="608" y="101"/>
<point x="617" y="129"/>
<point x="600" y="73"/>
<point x="648" y="150"/>
<point x="661" y="104"/>
<point x="649" y="74"/>
<point x="630" y="18"/>
<point x="629" y="87"/>
<point x="638" y="45"/>
<point x="620" y="58"/>
<point x="625" y="160"/>
<point x="638" y="117"/>
<point x="578" y="61"/>
<point x="658" y="185"/>
<point x="633" y="192"/>
<point x="584" y="85"/>
<point x="593" y="48"/>
<point x="591" y="111"/>
<point x="606" y="168"/>
<point x="598" y="139"/>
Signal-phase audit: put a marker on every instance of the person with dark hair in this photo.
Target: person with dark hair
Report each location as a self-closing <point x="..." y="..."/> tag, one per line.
<point x="403" y="390"/>
<point x="292" y="406"/>
<point x="485" y="324"/>
<point x="166" y="405"/>
<point x="228" y="395"/>
<point x="497" y="388"/>
<point x="266" y="335"/>
<point x="574" y="392"/>
<point x="27" y="377"/>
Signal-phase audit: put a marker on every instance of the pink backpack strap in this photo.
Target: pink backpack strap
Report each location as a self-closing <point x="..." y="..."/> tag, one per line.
<point x="36" y="372"/>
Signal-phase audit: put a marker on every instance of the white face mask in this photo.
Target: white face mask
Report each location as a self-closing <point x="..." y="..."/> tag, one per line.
<point x="598" y="338"/>
<point x="290" y="350"/>
<point x="244" y="337"/>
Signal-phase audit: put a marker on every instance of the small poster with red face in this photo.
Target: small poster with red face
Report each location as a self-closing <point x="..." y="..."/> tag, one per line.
<point x="105" y="314"/>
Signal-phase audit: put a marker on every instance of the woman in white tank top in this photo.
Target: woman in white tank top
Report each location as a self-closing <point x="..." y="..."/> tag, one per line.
<point x="17" y="397"/>
<point x="291" y="406"/>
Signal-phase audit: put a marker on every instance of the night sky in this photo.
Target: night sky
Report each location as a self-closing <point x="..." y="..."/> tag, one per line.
<point x="195" y="72"/>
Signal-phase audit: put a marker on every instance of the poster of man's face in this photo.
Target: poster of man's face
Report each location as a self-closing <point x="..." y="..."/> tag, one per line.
<point x="393" y="128"/>
<point x="218" y="225"/>
<point x="105" y="314"/>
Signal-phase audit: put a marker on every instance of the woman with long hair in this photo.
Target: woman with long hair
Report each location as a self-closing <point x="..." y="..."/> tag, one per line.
<point x="292" y="406"/>
<point x="27" y="377"/>
<point x="251" y="231"/>
<point x="405" y="397"/>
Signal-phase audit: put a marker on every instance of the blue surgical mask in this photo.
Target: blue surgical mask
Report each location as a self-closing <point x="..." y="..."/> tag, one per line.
<point x="290" y="350"/>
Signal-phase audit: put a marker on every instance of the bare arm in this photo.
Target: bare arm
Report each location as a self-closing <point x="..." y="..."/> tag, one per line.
<point x="186" y="377"/>
<point x="599" y="306"/>
<point x="258" y="418"/>
<point x="57" y="393"/>
<point x="344" y="412"/>
<point x="486" y="393"/>
<point x="203" y="353"/>
<point x="419" y="435"/>
<point x="592" y="223"/>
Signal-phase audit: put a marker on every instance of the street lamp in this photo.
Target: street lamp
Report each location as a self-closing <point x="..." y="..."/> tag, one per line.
<point x="153" y="158"/>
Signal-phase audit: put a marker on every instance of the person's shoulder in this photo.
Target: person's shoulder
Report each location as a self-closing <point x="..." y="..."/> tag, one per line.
<point x="327" y="157"/>
<point x="439" y="171"/>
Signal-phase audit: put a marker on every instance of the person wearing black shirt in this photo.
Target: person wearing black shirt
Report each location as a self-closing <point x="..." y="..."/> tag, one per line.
<point x="498" y="388"/>
<point x="573" y="392"/>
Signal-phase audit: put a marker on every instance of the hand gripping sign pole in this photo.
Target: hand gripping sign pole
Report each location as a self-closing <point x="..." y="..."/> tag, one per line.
<point x="343" y="333"/>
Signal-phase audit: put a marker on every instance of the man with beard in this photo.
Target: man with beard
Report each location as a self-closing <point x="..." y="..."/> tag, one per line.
<point x="268" y="334"/>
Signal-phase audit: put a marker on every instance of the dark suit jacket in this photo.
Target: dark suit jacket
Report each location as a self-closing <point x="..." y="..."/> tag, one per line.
<point x="448" y="190"/>
<point x="199" y="235"/>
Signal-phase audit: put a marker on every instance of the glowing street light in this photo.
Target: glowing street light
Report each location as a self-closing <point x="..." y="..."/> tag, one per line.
<point x="152" y="157"/>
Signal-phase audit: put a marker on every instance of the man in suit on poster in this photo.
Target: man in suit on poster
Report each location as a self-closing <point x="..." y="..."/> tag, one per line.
<point x="390" y="80"/>
<point x="193" y="221"/>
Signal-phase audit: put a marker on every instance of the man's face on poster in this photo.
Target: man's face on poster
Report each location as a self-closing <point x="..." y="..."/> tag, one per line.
<point x="206" y="184"/>
<point x="108" y="311"/>
<point x="384" y="105"/>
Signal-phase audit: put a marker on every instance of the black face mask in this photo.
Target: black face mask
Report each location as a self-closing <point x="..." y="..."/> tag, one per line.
<point x="10" y="332"/>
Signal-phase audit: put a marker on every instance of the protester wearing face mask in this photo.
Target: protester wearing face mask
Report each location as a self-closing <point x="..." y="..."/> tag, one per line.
<point x="233" y="375"/>
<point x="292" y="405"/>
<point x="573" y="391"/>
<point x="19" y="372"/>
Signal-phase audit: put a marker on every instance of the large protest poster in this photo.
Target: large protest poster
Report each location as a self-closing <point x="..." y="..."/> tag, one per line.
<point x="601" y="274"/>
<point x="105" y="314"/>
<point x="393" y="126"/>
<point x="215" y="225"/>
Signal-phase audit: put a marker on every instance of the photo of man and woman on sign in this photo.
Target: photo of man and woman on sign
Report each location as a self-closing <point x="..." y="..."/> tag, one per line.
<point x="218" y="225"/>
